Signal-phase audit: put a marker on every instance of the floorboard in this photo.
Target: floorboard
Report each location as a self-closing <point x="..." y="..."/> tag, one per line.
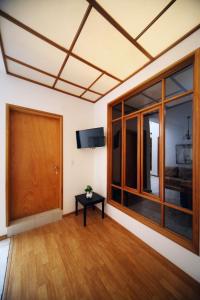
<point x="64" y="260"/>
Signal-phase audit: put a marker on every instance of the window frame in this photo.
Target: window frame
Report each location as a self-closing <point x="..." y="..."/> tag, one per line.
<point x="150" y="110"/>
<point x="194" y="59"/>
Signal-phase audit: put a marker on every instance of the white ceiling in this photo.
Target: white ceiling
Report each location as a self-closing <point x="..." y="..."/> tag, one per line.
<point x="86" y="49"/>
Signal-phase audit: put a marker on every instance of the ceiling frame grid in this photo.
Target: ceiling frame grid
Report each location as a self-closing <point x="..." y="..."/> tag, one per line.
<point x="88" y="90"/>
<point x="73" y="42"/>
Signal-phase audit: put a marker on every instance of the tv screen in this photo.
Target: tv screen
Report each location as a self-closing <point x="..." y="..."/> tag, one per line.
<point x="90" y="138"/>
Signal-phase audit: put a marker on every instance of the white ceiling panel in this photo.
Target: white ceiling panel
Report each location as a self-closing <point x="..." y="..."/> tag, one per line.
<point x="91" y="96"/>
<point x="26" y="47"/>
<point x="56" y="19"/>
<point x="79" y="73"/>
<point x="64" y="86"/>
<point x="104" y="84"/>
<point x="179" y="19"/>
<point x="101" y="44"/>
<point x="29" y="73"/>
<point x="133" y="16"/>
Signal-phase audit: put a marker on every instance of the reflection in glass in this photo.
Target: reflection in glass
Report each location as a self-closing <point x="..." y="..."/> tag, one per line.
<point x="116" y="152"/>
<point x="179" y="222"/>
<point x="146" y="208"/>
<point x="179" y="82"/>
<point x="131" y="153"/>
<point x="116" y="195"/>
<point x="150" y="96"/>
<point x="151" y="128"/>
<point x="178" y="152"/>
<point x="117" y="111"/>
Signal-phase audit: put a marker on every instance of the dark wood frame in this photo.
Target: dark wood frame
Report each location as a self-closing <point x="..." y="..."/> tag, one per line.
<point x="128" y="117"/>
<point x="192" y="58"/>
<point x="9" y="108"/>
<point x="154" y="109"/>
<point x="69" y="52"/>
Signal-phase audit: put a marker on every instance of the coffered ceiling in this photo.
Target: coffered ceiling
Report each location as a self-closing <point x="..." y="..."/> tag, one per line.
<point x="86" y="48"/>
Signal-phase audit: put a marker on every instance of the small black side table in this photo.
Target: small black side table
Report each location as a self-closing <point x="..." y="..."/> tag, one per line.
<point x="88" y="202"/>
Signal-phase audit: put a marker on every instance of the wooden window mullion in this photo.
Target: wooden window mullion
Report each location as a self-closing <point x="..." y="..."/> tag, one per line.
<point x="162" y="155"/>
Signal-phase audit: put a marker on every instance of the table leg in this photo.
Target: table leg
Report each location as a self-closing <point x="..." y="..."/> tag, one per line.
<point x="85" y="214"/>
<point x="76" y="207"/>
<point x="102" y="209"/>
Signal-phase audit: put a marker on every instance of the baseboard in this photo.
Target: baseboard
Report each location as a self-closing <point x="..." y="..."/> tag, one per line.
<point x="34" y="221"/>
<point x="99" y="210"/>
<point x="71" y="213"/>
<point x="80" y="209"/>
<point x="3" y="237"/>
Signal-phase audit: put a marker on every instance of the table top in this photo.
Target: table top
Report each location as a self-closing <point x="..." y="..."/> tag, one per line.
<point x="96" y="198"/>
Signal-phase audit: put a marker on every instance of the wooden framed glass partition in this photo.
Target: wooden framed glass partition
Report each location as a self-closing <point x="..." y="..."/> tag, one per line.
<point x="154" y="154"/>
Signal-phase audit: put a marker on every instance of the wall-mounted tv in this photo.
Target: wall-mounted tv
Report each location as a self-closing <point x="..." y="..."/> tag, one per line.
<point x="90" y="138"/>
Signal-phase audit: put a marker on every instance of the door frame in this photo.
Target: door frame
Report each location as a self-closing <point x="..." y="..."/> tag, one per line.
<point x="9" y="109"/>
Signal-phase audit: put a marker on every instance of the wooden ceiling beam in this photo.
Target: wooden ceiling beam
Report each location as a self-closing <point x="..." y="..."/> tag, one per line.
<point x="46" y="73"/>
<point x="30" y="30"/>
<point x="28" y="66"/>
<point x="96" y="67"/>
<point x="74" y="41"/>
<point x="88" y="89"/>
<point x="117" y="26"/>
<point x="48" y="86"/>
<point x="155" y="19"/>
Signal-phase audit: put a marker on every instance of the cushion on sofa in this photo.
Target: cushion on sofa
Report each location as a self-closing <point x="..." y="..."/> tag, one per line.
<point x="185" y="173"/>
<point x="171" y="171"/>
<point x="173" y="181"/>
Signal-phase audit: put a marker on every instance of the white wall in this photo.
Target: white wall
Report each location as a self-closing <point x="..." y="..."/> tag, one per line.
<point x="181" y="257"/>
<point x="77" y="114"/>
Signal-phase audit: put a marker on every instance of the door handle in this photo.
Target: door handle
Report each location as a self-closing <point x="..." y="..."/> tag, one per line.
<point x="56" y="169"/>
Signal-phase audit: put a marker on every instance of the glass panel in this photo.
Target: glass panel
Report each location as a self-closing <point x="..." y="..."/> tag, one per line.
<point x="179" y="222"/>
<point x="178" y="152"/>
<point x="116" y="152"/>
<point x="117" y="111"/>
<point x="146" y="208"/>
<point x="151" y="135"/>
<point x="150" y="96"/>
<point x="131" y="153"/>
<point x="116" y="195"/>
<point x="179" y="82"/>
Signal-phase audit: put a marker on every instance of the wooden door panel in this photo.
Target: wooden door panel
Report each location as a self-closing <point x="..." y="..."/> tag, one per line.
<point x="34" y="163"/>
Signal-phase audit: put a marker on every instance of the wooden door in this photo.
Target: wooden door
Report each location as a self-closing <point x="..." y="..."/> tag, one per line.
<point x="35" y="162"/>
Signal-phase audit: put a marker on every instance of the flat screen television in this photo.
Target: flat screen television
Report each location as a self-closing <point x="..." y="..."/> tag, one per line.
<point x="90" y="138"/>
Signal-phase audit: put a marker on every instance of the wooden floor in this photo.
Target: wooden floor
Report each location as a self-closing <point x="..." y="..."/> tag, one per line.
<point x="64" y="260"/>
